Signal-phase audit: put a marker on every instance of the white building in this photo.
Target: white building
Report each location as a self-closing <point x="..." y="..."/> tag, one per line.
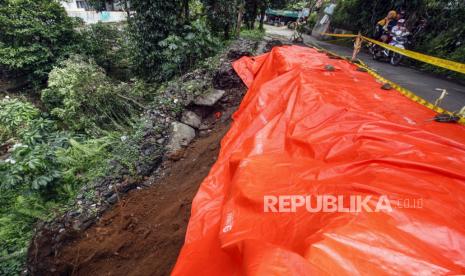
<point x="81" y="9"/>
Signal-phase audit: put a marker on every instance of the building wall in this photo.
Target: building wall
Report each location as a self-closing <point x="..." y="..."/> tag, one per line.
<point x="70" y="5"/>
<point x="90" y="16"/>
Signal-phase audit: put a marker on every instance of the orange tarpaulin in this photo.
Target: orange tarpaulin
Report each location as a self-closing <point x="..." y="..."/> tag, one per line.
<point x="303" y="130"/>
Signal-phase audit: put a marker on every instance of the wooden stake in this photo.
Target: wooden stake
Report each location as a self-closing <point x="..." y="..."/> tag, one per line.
<point x="357" y="46"/>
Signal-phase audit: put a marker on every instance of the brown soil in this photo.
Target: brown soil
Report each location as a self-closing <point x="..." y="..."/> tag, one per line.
<point x="143" y="233"/>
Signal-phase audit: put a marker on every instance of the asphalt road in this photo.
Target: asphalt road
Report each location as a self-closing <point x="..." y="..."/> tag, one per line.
<point x="421" y="83"/>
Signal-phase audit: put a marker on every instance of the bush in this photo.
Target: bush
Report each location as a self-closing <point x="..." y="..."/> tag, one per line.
<point x="110" y="46"/>
<point x="43" y="171"/>
<point x="28" y="177"/>
<point x="15" y="115"/>
<point x="34" y="35"/>
<point x="17" y="215"/>
<point x="86" y="160"/>
<point x="311" y="21"/>
<point x="83" y="99"/>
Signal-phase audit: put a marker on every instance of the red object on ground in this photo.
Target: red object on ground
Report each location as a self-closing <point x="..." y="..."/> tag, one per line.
<point x="218" y="115"/>
<point x="302" y="130"/>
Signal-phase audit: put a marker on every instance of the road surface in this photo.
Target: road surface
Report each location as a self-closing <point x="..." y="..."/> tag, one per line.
<point x="421" y="83"/>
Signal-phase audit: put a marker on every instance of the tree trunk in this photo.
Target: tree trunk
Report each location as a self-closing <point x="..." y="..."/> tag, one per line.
<point x="262" y="17"/>
<point x="186" y="10"/>
<point x="226" y="31"/>
<point x="254" y="16"/>
<point x="126" y="9"/>
<point x="240" y="17"/>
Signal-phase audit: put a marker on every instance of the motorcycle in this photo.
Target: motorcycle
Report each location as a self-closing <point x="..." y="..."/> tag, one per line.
<point x="398" y="39"/>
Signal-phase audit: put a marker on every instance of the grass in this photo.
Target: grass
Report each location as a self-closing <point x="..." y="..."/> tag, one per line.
<point x="255" y="34"/>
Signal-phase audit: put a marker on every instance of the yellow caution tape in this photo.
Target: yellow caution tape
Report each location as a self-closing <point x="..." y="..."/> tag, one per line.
<point x="407" y="93"/>
<point x="340" y="35"/>
<point x="444" y="63"/>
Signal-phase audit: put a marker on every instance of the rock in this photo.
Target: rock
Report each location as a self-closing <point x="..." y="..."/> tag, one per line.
<point x="74" y="214"/>
<point x="204" y="127"/>
<point x="329" y="67"/>
<point x="113" y="199"/>
<point x="226" y="78"/>
<point x="108" y="194"/>
<point x="175" y="155"/>
<point x="210" y="98"/>
<point x="81" y="225"/>
<point x="386" y="86"/>
<point x="331" y="56"/>
<point x="161" y="141"/>
<point x="237" y="54"/>
<point x="181" y="136"/>
<point x="146" y="166"/>
<point x="273" y="43"/>
<point x="205" y="133"/>
<point x="191" y="119"/>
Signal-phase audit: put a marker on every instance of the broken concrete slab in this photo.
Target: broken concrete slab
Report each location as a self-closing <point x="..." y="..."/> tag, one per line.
<point x="210" y="98"/>
<point x="191" y="119"/>
<point x="181" y="136"/>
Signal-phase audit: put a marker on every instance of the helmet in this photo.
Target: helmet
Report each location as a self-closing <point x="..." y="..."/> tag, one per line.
<point x="392" y="14"/>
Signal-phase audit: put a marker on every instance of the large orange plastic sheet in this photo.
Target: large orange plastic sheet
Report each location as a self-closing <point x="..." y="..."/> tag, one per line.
<point x="303" y="130"/>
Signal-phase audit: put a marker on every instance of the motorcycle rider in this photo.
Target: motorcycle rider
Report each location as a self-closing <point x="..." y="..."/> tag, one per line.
<point x="399" y="39"/>
<point x="399" y="30"/>
<point x="384" y="26"/>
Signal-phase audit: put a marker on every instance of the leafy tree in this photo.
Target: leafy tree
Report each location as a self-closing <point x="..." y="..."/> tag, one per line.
<point x="152" y="22"/>
<point x="110" y="47"/>
<point x="180" y="52"/>
<point x="253" y="8"/>
<point x="251" y="12"/>
<point x="34" y="35"/>
<point x="221" y="15"/>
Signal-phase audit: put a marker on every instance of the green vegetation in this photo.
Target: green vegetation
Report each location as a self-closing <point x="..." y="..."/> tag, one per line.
<point x="110" y="46"/>
<point x="34" y="35"/>
<point x="92" y="85"/>
<point x="41" y="173"/>
<point x="82" y="98"/>
<point x="167" y="43"/>
<point x="256" y="34"/>
<point x="180" y="52"/>
<point x="221" y="15"/>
